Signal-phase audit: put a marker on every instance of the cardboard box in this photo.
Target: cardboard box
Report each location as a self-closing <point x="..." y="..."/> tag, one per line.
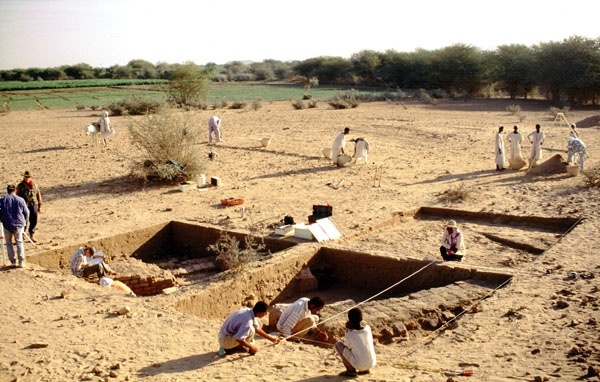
<point x="302" y="231"/>
<point x="215" y="181"/>
<point x="187" y="186"/>
<point x="285" y="230"/>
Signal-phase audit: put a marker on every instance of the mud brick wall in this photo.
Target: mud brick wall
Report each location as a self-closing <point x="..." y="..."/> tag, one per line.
<point x="147" y="285"/>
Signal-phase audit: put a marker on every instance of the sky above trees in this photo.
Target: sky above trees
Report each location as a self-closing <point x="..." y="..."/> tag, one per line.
<point x="41" y="33"/>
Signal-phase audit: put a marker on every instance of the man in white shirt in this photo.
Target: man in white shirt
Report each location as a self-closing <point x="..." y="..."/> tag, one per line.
<point x="536" y="138"/>
<point x="339" y="144"/>
<point x="214" y="128"/>
<point x="453" y="246"/>
<point x="357" y="350"/>
<point x="300" y="317"/>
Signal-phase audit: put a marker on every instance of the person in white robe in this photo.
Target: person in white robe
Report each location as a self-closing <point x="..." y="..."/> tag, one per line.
<point x="500" y="154"/>
<point x="339" y="144"/>
<point x="106" y="131"/>
<point x="515" y="138"/>
<point x="214" y="128"/>
<point x="536" y="138"/>
<point x="357" y="351"/>
<point x="361" y="150"/>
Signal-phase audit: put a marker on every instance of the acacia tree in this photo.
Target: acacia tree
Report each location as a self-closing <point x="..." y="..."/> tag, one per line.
<point x="188" y="85"/>
<point x="514" y="69"/>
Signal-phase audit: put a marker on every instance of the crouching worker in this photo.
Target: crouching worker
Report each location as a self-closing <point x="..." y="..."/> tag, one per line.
<point x="453" y="246"/>
<point x="356" y="351"/>
<point x="239" y="329"/>
<point x="82" y="268"/>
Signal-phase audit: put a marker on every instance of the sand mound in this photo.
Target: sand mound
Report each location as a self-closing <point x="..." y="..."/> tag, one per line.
<point x="589" y="122"/>
<point x="552" y="166"/>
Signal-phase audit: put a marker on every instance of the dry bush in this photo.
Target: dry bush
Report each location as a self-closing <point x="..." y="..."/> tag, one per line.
<point x="233" y="255"/>
<point x="346" y="100"/>
<point x="425" y="97"/>
<point x="513" y="109"/>
<point x="456" y="194"/>
<point x="299" y="105"/>
<point x="312" y="104"/>
<point x="168" y="143"/>
<point x="5" y="109"/>
<point x="592" y="177"/>
<point x="256" y="104"/>
<point x="238" y="105"/>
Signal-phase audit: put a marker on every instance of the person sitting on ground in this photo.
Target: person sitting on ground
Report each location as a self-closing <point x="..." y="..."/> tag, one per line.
<point x="453" y="245"/>
<point x="299" y="317"/>
<point x="357" y="350"/>
<point x="239" y="329"/>
<point x="82" y="268"/>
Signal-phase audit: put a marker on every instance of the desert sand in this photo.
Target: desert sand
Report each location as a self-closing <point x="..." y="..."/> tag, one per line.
<point x="542" y="325"/>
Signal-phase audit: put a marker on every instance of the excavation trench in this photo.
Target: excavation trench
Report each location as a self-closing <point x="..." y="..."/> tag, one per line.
<point x="399" y="294"/>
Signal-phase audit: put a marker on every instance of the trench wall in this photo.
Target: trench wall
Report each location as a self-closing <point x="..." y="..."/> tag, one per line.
<point x="264" y="282"/>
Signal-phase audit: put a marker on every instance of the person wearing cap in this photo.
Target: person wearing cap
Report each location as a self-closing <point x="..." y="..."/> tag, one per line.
<point x="500" y="155"/>
<point x="453" y="244"/>
<point x="81" y="267"/>
<point x="214" y="128"/>
<point x="357" y="350"/>
<point x="13" y="215"/>
<point x="28" y="190"/>
<point x="239" y="329"/>
<point x="339" y="144"/>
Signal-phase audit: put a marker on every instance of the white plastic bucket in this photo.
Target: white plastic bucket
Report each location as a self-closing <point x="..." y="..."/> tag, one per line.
<point x="201" y="180"/>
<point x="265" y="142"/>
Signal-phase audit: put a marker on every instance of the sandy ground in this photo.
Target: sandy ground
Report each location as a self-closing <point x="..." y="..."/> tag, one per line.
<point x="541" y="326"/>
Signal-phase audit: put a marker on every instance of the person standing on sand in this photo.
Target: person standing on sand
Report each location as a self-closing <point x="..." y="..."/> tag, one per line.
<point x="106" y="131"/>
<point x="239" y="329"/>
<point x="576" y="146"/>
<point x="13" y="215"/>
<point x="500" y="156"/>
<point x="28" y="190"/>
<point x="515" y="138"/>
<point x="536" y="138"/>
<point x="339" y="144"/>
<point x="357" y="350"/>
<point x="214" y="128"/>
<point x="299" y="317"/>
<point x="453" y="246"/>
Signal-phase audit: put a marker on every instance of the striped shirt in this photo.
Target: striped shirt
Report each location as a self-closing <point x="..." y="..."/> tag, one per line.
<point x="293" y="314"/>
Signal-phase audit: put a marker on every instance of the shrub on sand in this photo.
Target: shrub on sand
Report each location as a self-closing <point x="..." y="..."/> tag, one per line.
<point x="592" y="177"/>
<point x="167" y="141"/>
<point x="233" y="255"/>
<point x="456" y="195"/>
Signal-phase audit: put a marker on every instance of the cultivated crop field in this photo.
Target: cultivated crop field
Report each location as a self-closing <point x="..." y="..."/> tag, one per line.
<point x="99" y="93"/>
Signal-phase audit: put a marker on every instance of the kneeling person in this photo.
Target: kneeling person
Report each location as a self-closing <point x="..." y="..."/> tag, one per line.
<point x="239" y="329"/>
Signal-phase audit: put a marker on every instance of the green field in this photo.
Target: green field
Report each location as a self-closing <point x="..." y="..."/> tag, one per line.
<point x="66" y="95"/>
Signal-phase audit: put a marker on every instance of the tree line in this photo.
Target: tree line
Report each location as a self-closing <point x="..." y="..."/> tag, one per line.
<point x="565" y="71"/>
